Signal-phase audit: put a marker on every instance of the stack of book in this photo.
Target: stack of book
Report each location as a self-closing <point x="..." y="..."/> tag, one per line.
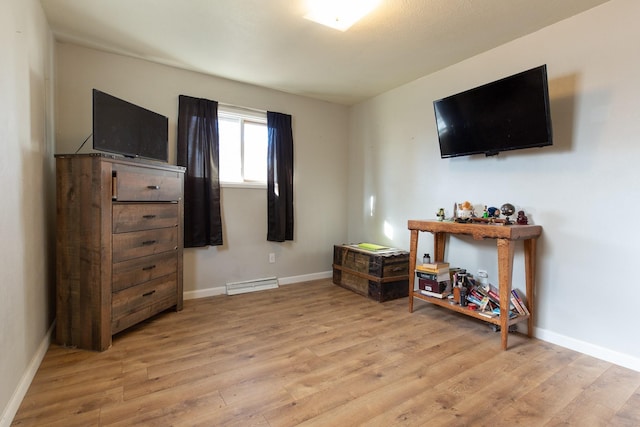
<point x="433" y="279"/>
<point x="488" y="301"/>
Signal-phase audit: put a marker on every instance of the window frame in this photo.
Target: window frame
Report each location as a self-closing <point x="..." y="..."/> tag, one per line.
<point x="245" y="115"/>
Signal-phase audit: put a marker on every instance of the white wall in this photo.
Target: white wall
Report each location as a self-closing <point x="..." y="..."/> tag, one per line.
<point x="583" y="190"/>
<point x="27" y="212"/>
<point x="320" y="132"/>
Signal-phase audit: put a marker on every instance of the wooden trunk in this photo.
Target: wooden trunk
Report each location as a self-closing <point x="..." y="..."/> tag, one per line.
<point x="379" y="275"/>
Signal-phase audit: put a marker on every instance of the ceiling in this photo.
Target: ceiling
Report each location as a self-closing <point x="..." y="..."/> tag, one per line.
<point x="268" y="43"/>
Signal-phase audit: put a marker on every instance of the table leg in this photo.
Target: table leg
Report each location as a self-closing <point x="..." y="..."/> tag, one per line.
<point x="530" y="277"/>
<point x="413" y="249"/>
<point x="438" y="246"/>
<point x="505" y="270"/>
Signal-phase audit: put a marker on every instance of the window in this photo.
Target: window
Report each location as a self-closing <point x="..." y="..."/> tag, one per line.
<point x="243" y="147"/>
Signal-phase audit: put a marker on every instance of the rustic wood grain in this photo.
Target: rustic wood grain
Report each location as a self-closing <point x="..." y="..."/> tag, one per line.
<point x="315" y="354"/>
<point x="505" y="237"/>
<point x="101" y="221"/>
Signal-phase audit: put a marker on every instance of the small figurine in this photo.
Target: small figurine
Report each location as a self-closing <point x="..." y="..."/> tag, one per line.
<point x="493" y="212"/>
<point x="465" y="210"/>
<point x="440" y="214"/>
<point x="485" y="213"/>
<point x="522" y="218"/>
<point x="507" y="210"/>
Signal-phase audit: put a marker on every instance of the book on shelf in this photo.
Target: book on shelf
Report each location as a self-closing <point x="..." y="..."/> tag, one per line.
<point x="520" y="301"/>
<point x="433" y="285"/>
<point x="484" y="304"/>
<point x="494" y="295"/>
<point x="512" y="314"/>
<point x="435" y="265"/>
<point x="437" y="268"/>
<point x="489" y="314"/>
<point x="493" y="298"/>
<point x="434" y="294"/>
<point x="516" y="305"/>
<point x="440" y="277"/>
<point x="472" y="299"/>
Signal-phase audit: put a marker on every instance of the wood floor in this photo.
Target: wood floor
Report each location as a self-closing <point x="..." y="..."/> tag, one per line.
<point x="316" y="354"/>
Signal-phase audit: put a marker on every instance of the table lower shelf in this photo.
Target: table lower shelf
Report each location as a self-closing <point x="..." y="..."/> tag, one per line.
<point x="464" y="310"/>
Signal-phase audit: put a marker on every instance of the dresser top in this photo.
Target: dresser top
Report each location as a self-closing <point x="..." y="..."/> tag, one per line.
<point x="121" y="159"/>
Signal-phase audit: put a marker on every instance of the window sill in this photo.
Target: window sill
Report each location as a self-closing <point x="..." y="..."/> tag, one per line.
<point x="255" y="186"/>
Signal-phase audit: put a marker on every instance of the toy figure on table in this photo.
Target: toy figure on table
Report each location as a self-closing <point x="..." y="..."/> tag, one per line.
<point x="465" y="212"/>
<point x="522" y="218"/>
<point x="507" y="210"/>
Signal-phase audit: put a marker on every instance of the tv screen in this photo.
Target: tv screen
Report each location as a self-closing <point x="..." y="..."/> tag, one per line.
<point x="508" y="114"/>
<point x="124" y="128"/>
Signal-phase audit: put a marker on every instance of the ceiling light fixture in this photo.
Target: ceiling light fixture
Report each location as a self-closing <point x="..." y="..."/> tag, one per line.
<point x="339" y="14"/>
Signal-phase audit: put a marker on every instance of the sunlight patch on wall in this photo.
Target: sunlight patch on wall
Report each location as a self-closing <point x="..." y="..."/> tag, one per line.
<point x="372" y="205"/>
<point x="388" y="230"/>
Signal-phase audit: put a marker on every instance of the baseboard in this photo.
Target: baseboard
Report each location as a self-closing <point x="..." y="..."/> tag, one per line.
<point x="23" y="386"/>
<point x="222" y="290"/>
<point x="204" y="293"/>
<point x="589" y="349"/>
<point x="305" y="278"/>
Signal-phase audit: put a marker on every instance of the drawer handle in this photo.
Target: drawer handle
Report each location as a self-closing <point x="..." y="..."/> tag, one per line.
<point x="150" y="267"/>
<point x="148" y="242"/>
<point x="148" y="216"/>
<point x="153" y="187"/>
<point x="149" y="293"/>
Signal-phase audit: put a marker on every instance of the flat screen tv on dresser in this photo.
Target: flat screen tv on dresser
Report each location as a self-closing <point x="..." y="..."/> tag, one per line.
<point x="121" y="127"/>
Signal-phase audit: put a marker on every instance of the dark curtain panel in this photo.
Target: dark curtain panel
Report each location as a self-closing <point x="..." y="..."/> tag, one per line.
<point x="198" y="152"/>
<point x="280" y="178"/>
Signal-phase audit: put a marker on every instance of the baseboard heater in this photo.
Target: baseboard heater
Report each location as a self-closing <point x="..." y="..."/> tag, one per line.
<point x="235" y="288"/>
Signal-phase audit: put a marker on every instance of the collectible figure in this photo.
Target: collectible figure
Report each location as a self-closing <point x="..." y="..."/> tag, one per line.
<point x="522" y="218"/>
<point x="465" y="210"/>
<point x="507" y="210"/>
<point x="493" y="212"/>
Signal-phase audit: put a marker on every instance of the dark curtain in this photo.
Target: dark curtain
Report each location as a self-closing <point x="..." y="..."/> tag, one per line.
<point x="279" y="178"/>
<point x="198" y="152"/>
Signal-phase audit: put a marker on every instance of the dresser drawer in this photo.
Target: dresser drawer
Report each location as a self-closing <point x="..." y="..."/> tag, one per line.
<point x="139" y="270"/>
<point x="143" y="243"/>
<point x="146" y="184"/>
<point x="137" y="303"/>
<point x="144" y="216"/>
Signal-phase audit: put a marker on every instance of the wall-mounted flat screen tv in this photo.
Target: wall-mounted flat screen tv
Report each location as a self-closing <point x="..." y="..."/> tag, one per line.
<point x="507" y="114"/>
<point x="124" y="128"/>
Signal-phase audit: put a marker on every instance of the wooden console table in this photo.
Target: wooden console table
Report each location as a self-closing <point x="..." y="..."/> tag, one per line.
<point x="505" y="238"/>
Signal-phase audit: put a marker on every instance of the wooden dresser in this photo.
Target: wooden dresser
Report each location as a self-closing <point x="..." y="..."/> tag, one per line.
<point x="119" y="245"/>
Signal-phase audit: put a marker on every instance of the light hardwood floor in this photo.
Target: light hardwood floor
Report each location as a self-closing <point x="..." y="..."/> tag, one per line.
<point x="316" y="354"/>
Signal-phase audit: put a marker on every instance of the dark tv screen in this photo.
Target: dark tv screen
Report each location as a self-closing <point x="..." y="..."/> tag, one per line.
<point x="124" y="128"/>
<point x="507" y="114"/>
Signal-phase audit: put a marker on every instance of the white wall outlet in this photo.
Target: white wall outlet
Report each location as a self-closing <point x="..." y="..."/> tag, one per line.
<point x="272" y="257"/>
